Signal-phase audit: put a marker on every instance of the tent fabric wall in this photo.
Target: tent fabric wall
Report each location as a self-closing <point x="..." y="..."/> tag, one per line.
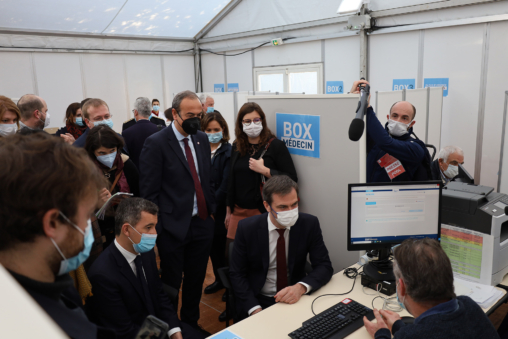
<point x="118" y="79"/>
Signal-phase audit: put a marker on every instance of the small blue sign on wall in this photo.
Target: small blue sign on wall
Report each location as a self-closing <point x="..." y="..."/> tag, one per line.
<point x="437" y="82"/>
<point x="233" y="87"/>
<point x="218" y="88"/>
<point x="334" y="87"/>
<point x="300" y="133"/>
<point x="400" y="84"/>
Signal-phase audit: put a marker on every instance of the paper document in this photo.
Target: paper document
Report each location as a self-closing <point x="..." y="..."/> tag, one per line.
<point x="484" y="295"/>
<point x="225" y="335"/>
<point x="114" y="199"/>
<point x="470" y="253"/>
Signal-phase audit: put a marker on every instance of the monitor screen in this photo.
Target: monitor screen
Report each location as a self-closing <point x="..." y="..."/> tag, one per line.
<point x="385" y="214"/>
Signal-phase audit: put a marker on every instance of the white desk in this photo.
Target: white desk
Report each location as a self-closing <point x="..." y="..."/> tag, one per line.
<point x="281" y="319"/>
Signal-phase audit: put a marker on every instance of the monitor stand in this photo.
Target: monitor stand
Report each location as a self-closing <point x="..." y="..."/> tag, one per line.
<point x="381" y="269"/>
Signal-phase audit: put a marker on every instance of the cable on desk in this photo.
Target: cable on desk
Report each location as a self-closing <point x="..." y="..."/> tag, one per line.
<point x="388" y="303"/>
<point x="351" y="273"/>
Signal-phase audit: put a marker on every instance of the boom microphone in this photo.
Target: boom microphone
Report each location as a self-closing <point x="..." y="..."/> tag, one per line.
<point x="357" y="125"/>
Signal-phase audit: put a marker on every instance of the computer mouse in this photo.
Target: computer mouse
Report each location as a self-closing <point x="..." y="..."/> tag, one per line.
<point x="407" y="320"/>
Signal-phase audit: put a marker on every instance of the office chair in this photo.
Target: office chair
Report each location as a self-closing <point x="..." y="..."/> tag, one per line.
<point x="434" y="148"/>
<point x="230" y="297"/>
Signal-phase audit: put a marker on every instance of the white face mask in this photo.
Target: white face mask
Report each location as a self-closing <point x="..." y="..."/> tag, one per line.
<point x="397" y="128"/>
<point x="8" y="129"/>
<point x="253" y="130"/>
<point x="287" y="218"/>
<point x="46" y="122"/>
<point x="452" y="171"/>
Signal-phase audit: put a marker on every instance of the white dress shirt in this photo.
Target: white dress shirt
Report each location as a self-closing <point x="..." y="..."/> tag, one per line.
<point x="180" y="138"/>
<point x="270" y="287"/>
<point x="130" y="257"/>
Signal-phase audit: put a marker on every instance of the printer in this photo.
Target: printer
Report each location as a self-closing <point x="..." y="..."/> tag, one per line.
<point x="479" y="208"/>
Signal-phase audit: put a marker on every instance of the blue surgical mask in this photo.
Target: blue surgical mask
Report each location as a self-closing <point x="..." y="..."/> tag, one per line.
<point x="107" y="122"/>
<point x="156" y="108"/>
<point x="108" y="159"/>
<point x="79" y="121"/>
<point x="214" y="137"/>
<point x="401" y="304"/>
<point x="146" y="244"/>
<point x="71" y="264"/>
<point x="210" y="110"/>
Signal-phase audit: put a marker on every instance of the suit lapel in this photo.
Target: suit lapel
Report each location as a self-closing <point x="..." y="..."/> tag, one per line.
<point x="294" y="240"/>
<point x="263" y="244"/>
<point x="127" y="272"/>
<point x="175" y="145"/>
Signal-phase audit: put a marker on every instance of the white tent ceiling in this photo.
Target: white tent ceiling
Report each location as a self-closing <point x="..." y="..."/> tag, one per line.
<point x="163" y="18"/>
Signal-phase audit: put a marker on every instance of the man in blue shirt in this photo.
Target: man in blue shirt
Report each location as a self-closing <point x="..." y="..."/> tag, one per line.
<point x="393" y="155"/>
<point x="424" y="278"/>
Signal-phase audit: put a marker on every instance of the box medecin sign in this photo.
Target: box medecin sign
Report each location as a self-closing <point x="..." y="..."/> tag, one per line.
<point x="300" y="133"/>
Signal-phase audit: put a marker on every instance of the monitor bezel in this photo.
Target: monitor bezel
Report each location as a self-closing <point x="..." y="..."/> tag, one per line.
<point x="368" y="247"/>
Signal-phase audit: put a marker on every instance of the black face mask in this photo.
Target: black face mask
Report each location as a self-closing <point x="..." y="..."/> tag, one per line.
<point x="190" y="126"/>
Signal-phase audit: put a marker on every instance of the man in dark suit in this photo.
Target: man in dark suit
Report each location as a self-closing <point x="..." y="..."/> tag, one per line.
<point x="270" y="252"/>
<point x="160" y="123"/>
<point x="125" y="280"/>
<point x="136" y="135"/>
<point x="175" y="174"/>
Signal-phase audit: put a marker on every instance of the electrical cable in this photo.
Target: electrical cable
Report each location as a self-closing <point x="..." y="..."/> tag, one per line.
<point x="249" y="50"/>
<point x="351" y="273"/>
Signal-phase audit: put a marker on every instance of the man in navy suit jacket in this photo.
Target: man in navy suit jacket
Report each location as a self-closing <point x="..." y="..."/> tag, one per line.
<point x="271" y="244"/>
<point x="175" y="167"/>
<point x="122" y="299"/>
<point x="136" y="135"/>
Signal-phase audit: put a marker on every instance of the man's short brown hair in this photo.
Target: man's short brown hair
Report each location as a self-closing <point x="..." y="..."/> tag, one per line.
<point x="40" y="172"/>
<point x="94" y="102"/>
<point x="425" y="269"/>
<point x="28" y="103"/>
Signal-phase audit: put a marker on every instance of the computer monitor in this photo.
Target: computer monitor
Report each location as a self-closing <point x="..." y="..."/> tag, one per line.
<point x="382" y="215"/>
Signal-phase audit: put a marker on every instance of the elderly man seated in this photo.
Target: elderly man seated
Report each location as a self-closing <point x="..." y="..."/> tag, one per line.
<point x="446" y="166"/>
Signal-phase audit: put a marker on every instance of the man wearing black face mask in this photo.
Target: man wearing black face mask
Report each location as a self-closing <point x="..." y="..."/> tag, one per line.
<point x="175" y="175"/>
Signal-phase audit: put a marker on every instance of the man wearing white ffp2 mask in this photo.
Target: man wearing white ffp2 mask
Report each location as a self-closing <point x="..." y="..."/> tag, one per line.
<point x="34" y="112"/>
<point x="446" y="166"/>
<point x="280" y="240"/>
<point x="394" y="152"/>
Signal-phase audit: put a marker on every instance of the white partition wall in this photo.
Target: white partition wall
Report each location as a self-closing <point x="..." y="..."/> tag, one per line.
<point x="323" y="181"/>
<point x="16" y="74"/>
<point x="225" y="104"/>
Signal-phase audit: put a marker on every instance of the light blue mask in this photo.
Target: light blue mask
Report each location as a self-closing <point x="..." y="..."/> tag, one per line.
<point x="71" y="264"/>
<point x="107" y="159"/>
<point x="210" y="110"/>
<point x="146" y="244"/>
<point x="156" y="108"/>
<point x="107" y="122"/>
<point x="401" y="304"/>
<point x="79" y="121"/>
<point x="214" y="137"/>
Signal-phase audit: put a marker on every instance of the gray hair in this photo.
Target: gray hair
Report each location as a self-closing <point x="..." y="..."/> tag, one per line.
<point x="27" y="104"/>
<point x="446" y="151"/>
<point x="177" y="100"/>
<point x="203" y="98"/>
<point x="144" y="106"/>
<point x="129" y="211"/>
<point x="278" y="184"/>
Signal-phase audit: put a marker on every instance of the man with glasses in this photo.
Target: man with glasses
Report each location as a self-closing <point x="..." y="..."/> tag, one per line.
<point x="175" y="170"/>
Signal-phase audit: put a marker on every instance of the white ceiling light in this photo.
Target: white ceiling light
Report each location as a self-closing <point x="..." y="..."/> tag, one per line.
<point x="350" y="6"/>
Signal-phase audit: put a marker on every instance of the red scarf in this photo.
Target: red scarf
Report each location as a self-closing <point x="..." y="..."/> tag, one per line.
<point x="74" y="129"/>
<point x="122" y="184"/>
<point x="155" y="113"/>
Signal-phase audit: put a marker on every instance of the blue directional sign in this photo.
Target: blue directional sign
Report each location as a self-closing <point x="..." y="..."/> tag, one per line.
<point x="233" y="87"/>
<point x="334" y="87"/>
<point x="437" y="82"/>
<point x="300" y="133"/>
<point x="400" y="84"/>
<point x="218" y="88"/>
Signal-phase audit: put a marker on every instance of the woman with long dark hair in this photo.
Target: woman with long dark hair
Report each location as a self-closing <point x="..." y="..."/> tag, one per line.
<point x="74" y="123"/>
<point x="257" y="156"/>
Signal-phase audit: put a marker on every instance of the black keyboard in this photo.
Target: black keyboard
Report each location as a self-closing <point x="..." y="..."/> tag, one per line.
<point x="338" y="321"/>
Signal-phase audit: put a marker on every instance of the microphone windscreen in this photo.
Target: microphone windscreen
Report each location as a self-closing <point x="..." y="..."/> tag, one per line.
<point x="356" y="129"/>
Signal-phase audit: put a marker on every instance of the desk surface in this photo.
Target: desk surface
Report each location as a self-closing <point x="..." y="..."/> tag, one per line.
<point x="281" y="319"/>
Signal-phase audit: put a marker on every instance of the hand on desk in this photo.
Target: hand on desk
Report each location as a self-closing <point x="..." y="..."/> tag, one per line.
<point x="290" y="294"/>
<point x="389" y="318"/>
<point x="371" y="327"/>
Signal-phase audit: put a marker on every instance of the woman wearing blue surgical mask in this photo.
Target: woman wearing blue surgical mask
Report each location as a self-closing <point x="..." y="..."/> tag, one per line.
<point x="216" y="128"/>
<point x="9" y="117"/>
<point x="74" y="123"/>
<point x="104" y="146"/>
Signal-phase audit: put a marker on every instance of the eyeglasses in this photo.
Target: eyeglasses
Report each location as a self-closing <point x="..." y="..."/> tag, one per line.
<point x="256" y="121"/>
<point x="106" y="117"/>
